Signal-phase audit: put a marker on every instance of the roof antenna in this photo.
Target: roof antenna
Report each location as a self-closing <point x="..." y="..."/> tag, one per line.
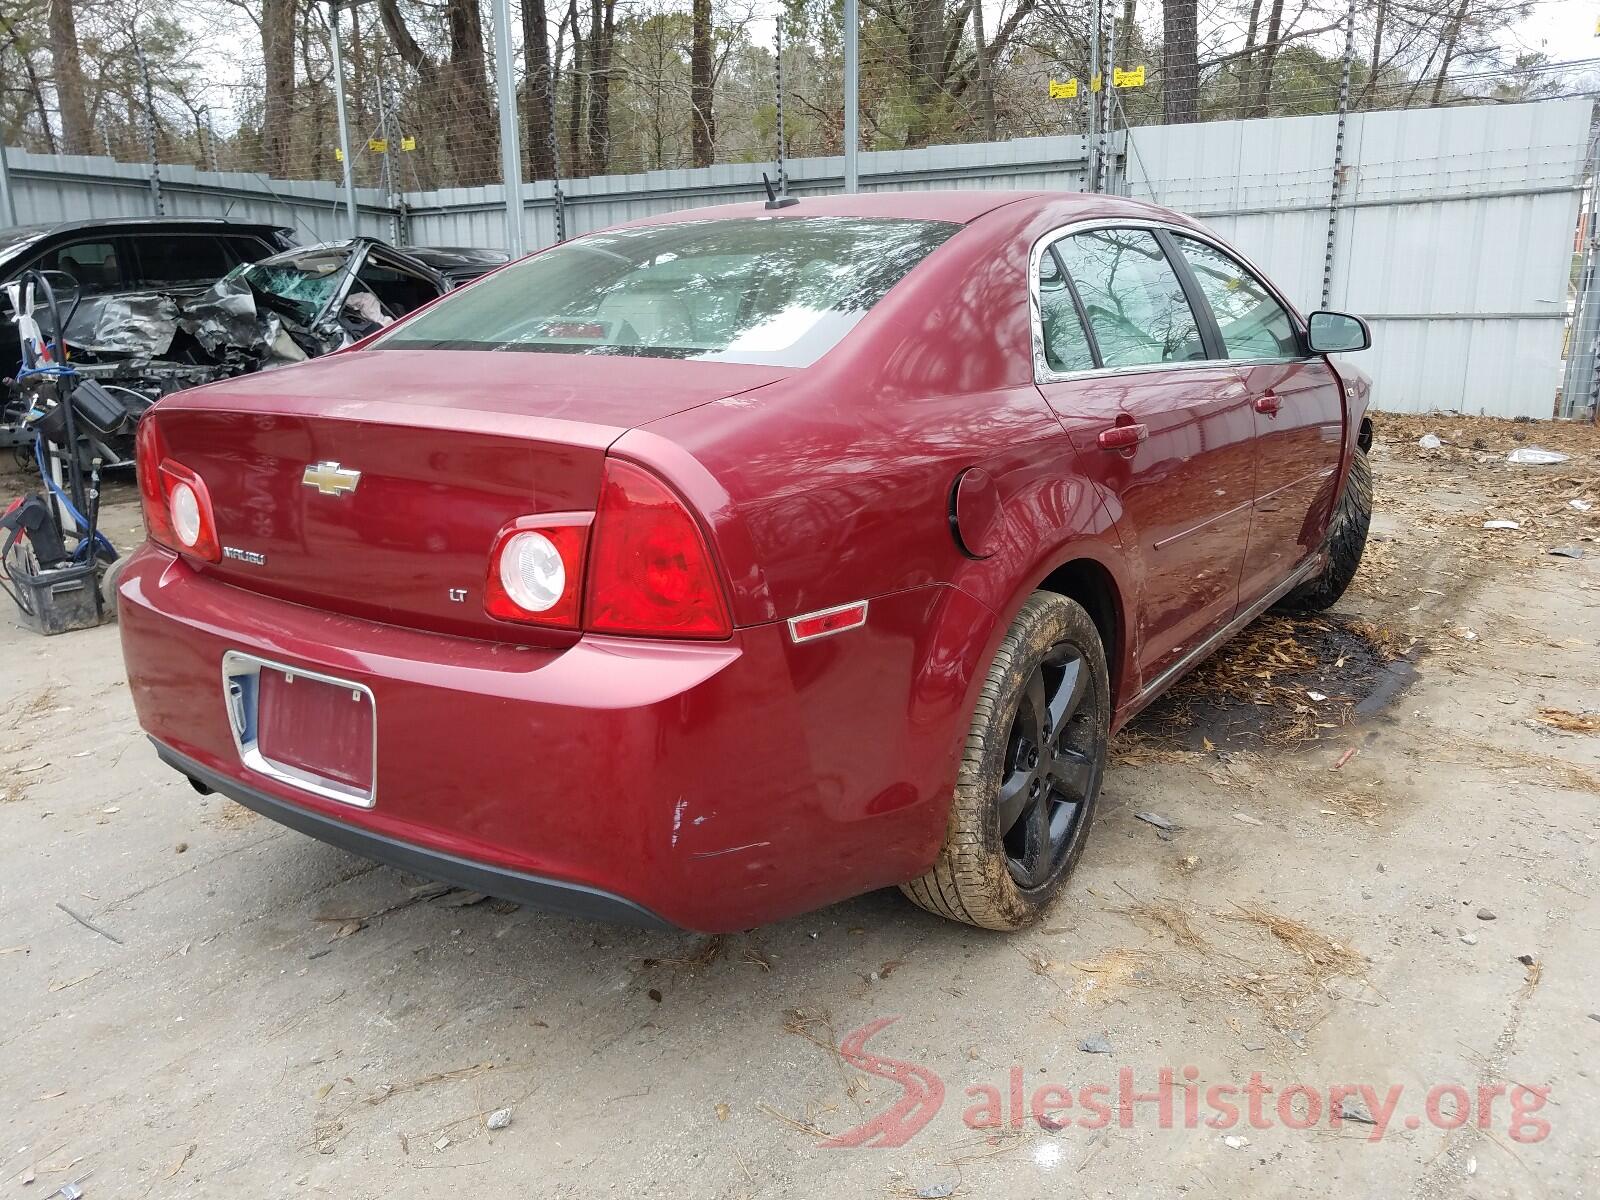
<point x="773" y="199"/>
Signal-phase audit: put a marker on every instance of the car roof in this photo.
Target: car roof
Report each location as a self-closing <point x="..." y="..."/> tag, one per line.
<point x="21" y="231"/>
<point x="347" y="245"/>
<point x="959" y="205"/>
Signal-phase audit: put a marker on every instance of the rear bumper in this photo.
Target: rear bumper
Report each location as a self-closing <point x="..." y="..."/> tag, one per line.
<point x="710" y="786"/>
<point x="551" y="895"/>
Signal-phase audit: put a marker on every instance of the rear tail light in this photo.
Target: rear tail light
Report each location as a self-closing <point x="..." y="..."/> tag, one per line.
<point x="536" y="570"/>
<point x="652" y="571"/>
<point x="639" y="565"/>
<point x="177" y="507"/>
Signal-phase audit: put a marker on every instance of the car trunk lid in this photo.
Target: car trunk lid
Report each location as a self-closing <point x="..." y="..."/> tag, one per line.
<point x="373" y="483"/>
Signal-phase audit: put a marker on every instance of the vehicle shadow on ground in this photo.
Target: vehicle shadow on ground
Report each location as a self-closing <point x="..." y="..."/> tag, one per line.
<point x="351" y="913"/>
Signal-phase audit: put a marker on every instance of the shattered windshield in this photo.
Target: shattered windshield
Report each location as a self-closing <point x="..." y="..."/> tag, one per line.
<point x="751" y="290"/>
<point x="299" y="282"/>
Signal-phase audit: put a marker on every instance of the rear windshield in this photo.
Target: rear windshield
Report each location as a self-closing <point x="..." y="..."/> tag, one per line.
<point x="779" y="292"/>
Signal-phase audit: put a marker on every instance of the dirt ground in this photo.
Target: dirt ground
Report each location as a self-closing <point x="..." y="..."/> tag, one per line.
<point x="1360" y="850"/>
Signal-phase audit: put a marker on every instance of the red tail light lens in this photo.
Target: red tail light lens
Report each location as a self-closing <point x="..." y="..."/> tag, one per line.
<point x="177" y="507"/>
<point x="536" y="570"/>
<point x="148" y="453"/>
<point x="650" y="571"/>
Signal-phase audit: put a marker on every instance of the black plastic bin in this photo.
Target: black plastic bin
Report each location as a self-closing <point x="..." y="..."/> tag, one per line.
<point x="59" y="599"/>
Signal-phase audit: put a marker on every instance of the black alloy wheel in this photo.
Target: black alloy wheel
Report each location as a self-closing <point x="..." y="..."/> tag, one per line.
<point x="1054" y="757"/>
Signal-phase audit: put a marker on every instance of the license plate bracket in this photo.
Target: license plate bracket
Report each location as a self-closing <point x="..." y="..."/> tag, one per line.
<point x="314" y="732"/>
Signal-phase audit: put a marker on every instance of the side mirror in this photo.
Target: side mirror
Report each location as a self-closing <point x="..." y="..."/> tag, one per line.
<point x="1337" y="333"/>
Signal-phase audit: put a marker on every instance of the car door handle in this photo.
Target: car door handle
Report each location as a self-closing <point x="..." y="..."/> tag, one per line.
<point x="1268" y="403"/>
<point x="1123" y="437"/>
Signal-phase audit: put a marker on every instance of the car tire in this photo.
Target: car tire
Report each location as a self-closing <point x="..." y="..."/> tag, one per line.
<point x="1344" y="544"/>
<point x="108" y="584"/>
<point x="1000" y="872"/>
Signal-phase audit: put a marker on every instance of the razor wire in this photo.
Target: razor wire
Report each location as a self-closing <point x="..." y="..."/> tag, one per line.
<point x="615" y="87"/>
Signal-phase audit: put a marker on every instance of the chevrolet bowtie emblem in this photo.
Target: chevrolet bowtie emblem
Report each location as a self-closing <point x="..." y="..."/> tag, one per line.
<point x="331" y="479"/>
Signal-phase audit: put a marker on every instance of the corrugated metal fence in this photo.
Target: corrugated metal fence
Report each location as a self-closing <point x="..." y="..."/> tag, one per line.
<point x="1455" y="235"/>
<point x="49" y="188"/>
<point x="1454" y="232"/>
<point x="476" y="216"/>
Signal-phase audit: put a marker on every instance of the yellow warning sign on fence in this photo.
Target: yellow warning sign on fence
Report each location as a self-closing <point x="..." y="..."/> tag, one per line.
<point x="1131" y="78"/>
<point x="378" y="145"/>
<point x="1094" y="83"/>
<point x="1063" y="89"/>
<point x="338" y="154"/>
<point x="408" y="142"/>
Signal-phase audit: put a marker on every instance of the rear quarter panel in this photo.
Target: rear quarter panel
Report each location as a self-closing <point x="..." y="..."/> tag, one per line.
<point x="833" y="485"/>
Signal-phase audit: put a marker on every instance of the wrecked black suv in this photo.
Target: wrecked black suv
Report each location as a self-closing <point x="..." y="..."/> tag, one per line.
<point x="121" y="255"/>
<point x="285" y="308"/>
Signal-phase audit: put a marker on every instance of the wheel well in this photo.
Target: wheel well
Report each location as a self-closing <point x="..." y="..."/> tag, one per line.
<point x="1364" y="435"/>
<point x="1091" y="585"/>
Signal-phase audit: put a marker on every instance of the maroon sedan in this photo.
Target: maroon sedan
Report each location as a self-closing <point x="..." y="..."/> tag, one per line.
<point x="720" y="566"/>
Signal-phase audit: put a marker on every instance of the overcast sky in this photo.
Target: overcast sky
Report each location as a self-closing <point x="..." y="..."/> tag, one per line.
<point x="1563" y="29"/>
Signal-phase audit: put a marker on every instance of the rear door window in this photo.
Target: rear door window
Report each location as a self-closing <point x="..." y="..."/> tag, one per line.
<point x="181" y="258"/>
<point x="1252" y="323"/>
<point x="1133" y="299"/>
<point x="246" y="249"/>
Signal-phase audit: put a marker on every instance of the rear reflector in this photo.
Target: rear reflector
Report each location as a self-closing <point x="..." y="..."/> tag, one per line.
<point x="828" y="621"/>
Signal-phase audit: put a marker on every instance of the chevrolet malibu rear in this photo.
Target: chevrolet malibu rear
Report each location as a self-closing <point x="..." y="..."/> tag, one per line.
<point x="712" y="569"/>
<point x="448" y="602"/>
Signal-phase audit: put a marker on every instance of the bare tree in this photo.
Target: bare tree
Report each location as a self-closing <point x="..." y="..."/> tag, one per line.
<point x="77" y="135"/>
<point x="277" y="23"/>
<point x="1180" y="71"/>
<point x="1448" y="48"/>
<point x="460" y="79"/>
<point x="602" y="36"/>
<point x="538" y="97"/>
<point x="703" y="133"/>
<point x="985" y="71"/>
<point x="1263" y="64"/>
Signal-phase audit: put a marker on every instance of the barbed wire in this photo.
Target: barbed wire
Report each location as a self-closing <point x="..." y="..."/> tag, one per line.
<point x="608" y="87"/>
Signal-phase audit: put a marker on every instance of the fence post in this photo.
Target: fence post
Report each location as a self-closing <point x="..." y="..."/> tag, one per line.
<point x="1338" y="153"/>
<point x="386" y="167"/>
<point x="1108" y="74"/>
<point x="852" y="94"/>
<point x="344" y="120"/>
<point x="1581" y="380"/>
<point x="510" y="141"/>
<point x="211" y="142"/>
<point x="777" y="58"/>
<point x="558" y="200"/>
<point x="150" y="130"/>
<point x="8" y="198"/>
<point x="1095" y="23"/>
